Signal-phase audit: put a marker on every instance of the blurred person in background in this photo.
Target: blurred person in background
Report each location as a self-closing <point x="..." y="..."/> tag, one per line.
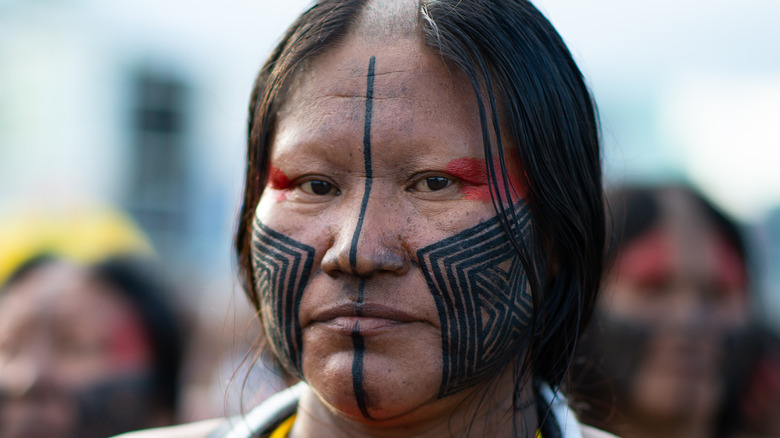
<point x="89" y="345"/>
<point x="668" y="349"/>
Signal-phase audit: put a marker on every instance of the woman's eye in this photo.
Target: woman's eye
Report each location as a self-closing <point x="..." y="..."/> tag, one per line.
<point x="317" y="187"/>
<point x="432" y="184"/>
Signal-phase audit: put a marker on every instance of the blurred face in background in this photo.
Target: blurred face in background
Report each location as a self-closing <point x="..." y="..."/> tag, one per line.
<point x="75" y="359"/>
<point x="680" y="288"/>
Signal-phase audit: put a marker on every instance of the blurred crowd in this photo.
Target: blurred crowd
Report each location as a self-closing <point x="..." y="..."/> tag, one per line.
<point x="673" y="349"/>
<point x="94" y="341"/>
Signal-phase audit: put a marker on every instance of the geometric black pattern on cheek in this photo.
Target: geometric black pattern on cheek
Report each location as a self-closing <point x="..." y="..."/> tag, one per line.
<point x="281" y="268"/>
<point x="483" y="299"/>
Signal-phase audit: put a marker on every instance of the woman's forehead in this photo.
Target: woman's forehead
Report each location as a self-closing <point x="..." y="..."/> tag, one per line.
<point x="416" y="101"/>
<point x="404" y="68"/>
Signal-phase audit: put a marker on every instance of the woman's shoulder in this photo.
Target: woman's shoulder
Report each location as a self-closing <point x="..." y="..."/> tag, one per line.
<point x="200" y="429"/>
<point x="589" y="432"/>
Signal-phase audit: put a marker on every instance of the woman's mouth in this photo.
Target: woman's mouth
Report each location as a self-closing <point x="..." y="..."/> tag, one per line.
<point x="366" y="319"/>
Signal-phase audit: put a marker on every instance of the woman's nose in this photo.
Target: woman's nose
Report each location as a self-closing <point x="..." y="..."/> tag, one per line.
<point x="368" y="241"/>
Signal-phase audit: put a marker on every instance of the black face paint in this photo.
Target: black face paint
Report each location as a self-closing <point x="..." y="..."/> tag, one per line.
<point x="483" y="299"/>
<point x="476" y="277"/>
<point x="478" y="284"/>
<point x="357" y="338"/>
<point x="281" y="268"/>
<point x="366" y="161"/>
<point x="357" y="359"/>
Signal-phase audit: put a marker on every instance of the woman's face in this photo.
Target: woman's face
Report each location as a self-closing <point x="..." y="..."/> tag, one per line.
<point x="683" y="287"/>
<point x="385" y="280"/>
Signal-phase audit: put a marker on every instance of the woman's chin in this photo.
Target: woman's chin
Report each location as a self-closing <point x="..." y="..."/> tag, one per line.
<point x="379" y="389"/>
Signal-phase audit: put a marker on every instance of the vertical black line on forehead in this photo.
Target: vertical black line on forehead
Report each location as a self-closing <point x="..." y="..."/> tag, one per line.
<point x="366" y="159"/>
<point x="369" y="109"/>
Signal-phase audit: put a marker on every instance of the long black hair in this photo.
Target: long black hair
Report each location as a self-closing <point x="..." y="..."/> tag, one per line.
<point x="526" y="82"/>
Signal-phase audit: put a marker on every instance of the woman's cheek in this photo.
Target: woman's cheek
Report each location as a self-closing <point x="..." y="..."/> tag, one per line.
<point x="483" y="298"/>
<point x="477" y="282"/>
<point x="281" y="268"/>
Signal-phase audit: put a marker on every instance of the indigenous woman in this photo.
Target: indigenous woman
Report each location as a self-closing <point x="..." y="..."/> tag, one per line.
<point x="422" y="226"/>
<point x="668" y="350"/>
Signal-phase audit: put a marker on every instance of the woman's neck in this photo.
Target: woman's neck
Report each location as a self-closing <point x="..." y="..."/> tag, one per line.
<point x="486" y="411"/>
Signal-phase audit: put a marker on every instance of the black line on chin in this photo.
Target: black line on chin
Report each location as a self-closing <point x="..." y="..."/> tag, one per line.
<point x="357" y="370"/>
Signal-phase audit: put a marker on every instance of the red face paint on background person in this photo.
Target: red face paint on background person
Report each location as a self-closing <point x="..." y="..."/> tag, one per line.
<point x="647" y="260"/>
<point x="686" y="260"/>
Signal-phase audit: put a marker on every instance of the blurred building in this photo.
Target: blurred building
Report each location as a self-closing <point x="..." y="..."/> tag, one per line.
<point x="100" y="107"/>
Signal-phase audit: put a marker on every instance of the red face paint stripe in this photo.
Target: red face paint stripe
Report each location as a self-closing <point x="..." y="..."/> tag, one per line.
<point x="470" y="170"/>
<point x="473" y="172"/>
<point x="476" y="193"/>
<point x="277" y="179"/>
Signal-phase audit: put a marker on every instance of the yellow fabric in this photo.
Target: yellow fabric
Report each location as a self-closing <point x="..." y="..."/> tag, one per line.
<point x="84" y="235"/>
<point x="284" y="429"/>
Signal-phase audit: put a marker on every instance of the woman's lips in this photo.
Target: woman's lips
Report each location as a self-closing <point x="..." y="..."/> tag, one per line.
<point x="367" y="319"/>
<point x="349" y="325"/>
